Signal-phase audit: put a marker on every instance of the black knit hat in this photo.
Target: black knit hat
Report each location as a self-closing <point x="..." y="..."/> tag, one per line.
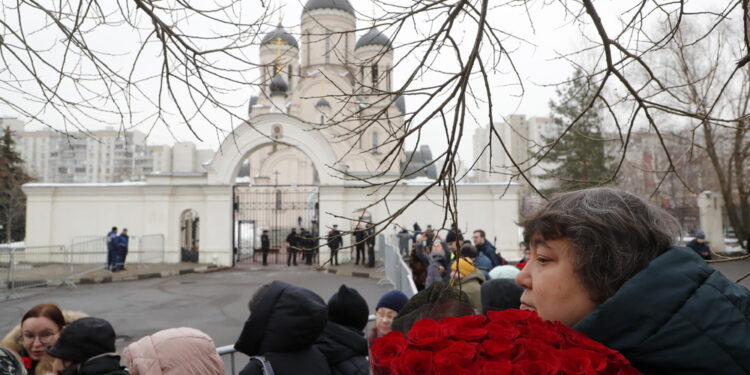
<point x="348" y="308"/>
<point x="394" y="300"/>
<point x="83" y="339"/>
<point x="453" y="236"/>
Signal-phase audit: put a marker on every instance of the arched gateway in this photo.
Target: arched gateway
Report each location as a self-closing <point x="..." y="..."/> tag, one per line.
<point x="262" y="203"/>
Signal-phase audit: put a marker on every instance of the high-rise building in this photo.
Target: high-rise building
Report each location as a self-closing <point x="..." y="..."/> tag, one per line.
<point x="99" y="156"/>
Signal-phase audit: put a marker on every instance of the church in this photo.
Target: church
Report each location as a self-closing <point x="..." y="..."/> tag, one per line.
<point x="319" y="132"/>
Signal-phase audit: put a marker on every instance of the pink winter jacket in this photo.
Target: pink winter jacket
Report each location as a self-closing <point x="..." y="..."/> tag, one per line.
<point x="175" y="351"/>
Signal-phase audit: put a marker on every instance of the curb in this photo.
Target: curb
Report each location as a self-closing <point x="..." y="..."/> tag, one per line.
<point x="114" y="278"/>
<point x="361" y="274"/>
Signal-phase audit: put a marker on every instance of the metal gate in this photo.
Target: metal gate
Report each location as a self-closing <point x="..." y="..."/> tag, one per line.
<point x="276" y="209"/>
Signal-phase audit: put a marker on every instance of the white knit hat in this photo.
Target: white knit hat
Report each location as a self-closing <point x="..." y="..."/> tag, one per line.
<point x="504" y="272"/>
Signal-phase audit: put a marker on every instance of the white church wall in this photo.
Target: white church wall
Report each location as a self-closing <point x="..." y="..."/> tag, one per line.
<point x="58" y="214"/>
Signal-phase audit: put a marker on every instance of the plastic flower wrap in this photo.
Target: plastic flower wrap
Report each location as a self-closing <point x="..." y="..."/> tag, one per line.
<point x="511" y="342"/>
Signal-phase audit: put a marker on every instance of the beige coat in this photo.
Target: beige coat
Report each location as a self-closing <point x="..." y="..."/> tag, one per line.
<point x="471" y="284"/>
<point x="175" y="351"/>
<point x="14" y="341"/>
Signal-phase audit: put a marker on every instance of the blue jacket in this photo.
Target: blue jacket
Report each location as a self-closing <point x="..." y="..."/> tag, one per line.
<point x="484" y="265"/>
<point x="489" y="251"/>
<point x="677" y="316"/>
<point x="122" y="242"/>
<point x="111" y="241"/>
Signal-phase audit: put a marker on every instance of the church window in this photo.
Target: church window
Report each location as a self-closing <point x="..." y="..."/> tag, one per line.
<point x="328" y="48"/>
<point x="322" y="120"/>
<point x="375" y="141"/>
<point x="375" y="76"/>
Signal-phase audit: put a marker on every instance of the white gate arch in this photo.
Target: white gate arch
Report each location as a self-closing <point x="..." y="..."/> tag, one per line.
<point x="222" y="170"/>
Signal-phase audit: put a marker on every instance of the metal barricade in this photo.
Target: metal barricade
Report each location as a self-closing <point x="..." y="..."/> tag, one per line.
<point x="34" y="266"/>
<point x="28" y="266"/>
<point x="397" y="273"/>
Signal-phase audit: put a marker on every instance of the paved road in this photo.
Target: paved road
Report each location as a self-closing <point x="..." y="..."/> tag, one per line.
<point x="215" y="303"/>
<point x="735" y="270"/>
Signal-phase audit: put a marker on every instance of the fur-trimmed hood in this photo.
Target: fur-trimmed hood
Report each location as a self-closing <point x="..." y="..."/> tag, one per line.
<point x="14" y="341"/>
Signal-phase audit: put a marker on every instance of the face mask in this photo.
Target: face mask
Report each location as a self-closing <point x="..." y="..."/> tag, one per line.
<point x="424" y="243"/>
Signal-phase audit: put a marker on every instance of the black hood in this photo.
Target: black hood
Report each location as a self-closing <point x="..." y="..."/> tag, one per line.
<point x="339" y="343"/>
<point x="501" y="294"/>
<point x="286" y="318"/>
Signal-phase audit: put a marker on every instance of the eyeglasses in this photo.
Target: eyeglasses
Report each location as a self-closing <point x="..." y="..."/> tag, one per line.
<point x="44" y="337"/>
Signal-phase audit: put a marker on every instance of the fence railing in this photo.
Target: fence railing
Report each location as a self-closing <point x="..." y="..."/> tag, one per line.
<point x="24" y="266"/>
<point x="397" y="273"/>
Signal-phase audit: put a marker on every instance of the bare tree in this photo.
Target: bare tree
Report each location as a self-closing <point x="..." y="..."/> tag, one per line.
<point x="457" y="57"/>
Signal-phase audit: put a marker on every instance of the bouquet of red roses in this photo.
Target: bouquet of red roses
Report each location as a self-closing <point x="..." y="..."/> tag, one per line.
<point x="502" y="342"/>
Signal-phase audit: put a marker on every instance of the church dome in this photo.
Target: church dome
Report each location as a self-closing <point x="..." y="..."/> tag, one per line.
<point x="278" y="85"/>
<point x="279" y="36"/>
<point x="329" y="4"/>
<point x="373" y="38"/>
<point x="322" y="102"/>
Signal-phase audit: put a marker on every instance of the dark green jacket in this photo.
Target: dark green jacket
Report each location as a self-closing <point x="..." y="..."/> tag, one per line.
<point x="677" y="316"/>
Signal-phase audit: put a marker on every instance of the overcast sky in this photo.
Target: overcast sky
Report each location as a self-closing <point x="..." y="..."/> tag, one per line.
<point x="547" y="32"/>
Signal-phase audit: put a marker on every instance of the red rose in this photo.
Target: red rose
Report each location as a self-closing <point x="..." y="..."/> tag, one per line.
<point x="501" y="367"/>
<point x="27" y="362"/>
<point x="386" y="349"/>
<point x="581" y="361"/>
<point x="454" y="369"/>
<point x="545" y="333"/>
<point x="466" y="328"/>
<point x="533" y="368"/>
<point x="510" y="342"/>
<point x="575" y="339"/>
<point x="502" y="331"/>
<point x="413" y="362"/>
<point x="513" y="315"/>
<point x="461" y="354"/>
<point x="427" y="334"/>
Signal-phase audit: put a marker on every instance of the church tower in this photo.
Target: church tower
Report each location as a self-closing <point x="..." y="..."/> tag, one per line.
<point x="334" y="82"/>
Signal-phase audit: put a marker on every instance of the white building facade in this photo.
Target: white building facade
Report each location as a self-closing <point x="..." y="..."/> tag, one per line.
<point x="295" y="140"/>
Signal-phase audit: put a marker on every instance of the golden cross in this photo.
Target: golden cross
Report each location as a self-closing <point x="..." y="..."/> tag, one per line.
<point x="279" y="41"/>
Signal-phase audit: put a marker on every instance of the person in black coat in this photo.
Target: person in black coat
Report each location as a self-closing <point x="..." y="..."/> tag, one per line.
<point x="284" y="323"/>
<point x="265" y="246"/>
<point x="343" y="340"/>
<point x="359" y="240"/>
<point x="334" y="243"/>
<point x="699" y="245"/>
<point x="371" y="245"/>
<point x="291" y="250"/>
<point x="603" y="262"/>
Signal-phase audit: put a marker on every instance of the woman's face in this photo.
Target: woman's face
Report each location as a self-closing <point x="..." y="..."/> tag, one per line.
<point x="383" y="320"/>
<point x="552" y="288"/>
<point x="436" y="246"/>
<point x="38" y="333"/>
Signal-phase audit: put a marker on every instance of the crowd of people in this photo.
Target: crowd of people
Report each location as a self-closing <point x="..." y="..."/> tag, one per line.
<point x="306" y="243"/>
<point x="433" y="258"/>
<point x="600" y="261"/>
